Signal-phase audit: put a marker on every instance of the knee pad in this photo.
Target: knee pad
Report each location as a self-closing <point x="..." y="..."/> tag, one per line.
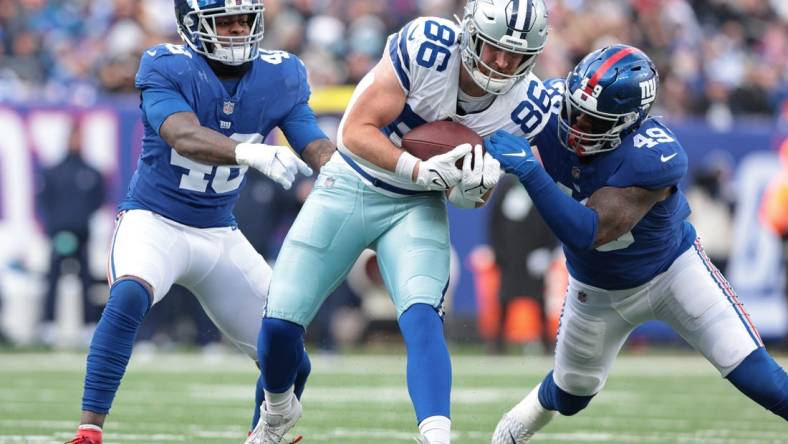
<point x="129" y="299"/>
<point x="553" y="397"/>
<point x="762" y="380"/>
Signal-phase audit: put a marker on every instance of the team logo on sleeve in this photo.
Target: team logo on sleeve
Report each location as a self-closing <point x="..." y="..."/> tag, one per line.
<point x="648" y="91"/>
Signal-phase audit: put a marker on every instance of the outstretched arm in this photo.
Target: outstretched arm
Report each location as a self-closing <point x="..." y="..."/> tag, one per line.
<point x="610" y="211"/>
<point x="317" y="153"/>
<point x="183" y="132"/>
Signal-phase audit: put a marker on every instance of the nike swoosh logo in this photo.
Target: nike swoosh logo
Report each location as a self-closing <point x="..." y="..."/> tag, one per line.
<point x="151" y="52"/>
<point x="520" y="154"/>
<point x="665" y="158"/>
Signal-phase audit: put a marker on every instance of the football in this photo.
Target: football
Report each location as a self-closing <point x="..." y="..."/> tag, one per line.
<point x="439" y="137"/>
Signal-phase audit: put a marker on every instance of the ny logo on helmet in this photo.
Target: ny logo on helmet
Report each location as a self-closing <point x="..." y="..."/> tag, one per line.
<point x="648" y="91"/>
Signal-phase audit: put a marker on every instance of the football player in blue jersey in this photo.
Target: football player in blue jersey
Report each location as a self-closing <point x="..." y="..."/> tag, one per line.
<point x="609" y="191"/>
<point x="372" y="194"/>
<point x="206" y="107"/>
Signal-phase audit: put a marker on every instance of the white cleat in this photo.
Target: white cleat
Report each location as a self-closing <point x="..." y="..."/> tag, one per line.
<point x="272" y="427"/>
<point x="511" y="431"/>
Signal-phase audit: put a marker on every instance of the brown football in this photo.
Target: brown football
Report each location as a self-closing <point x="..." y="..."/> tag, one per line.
<point x="438" y="137"/>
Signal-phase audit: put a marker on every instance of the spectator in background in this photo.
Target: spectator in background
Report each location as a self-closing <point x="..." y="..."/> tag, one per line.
<point x="70" y="192"/>
<point x="712" y="206"/>
<point x="523" y="246"/>
<point x="774" y="207"/>
<point x="774" y="210"/>
<point x="717" y="59"/>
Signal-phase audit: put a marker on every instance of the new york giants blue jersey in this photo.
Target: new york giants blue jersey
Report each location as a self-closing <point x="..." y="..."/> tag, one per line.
<point x="272" y="93"/>
<point x="651" y="158"/>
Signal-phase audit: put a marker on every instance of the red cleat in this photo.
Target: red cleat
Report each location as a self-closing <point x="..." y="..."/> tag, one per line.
<point x="87" y="435"/>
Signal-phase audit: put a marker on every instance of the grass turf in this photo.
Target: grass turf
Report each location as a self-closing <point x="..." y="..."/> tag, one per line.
<point x="350" y="399"/>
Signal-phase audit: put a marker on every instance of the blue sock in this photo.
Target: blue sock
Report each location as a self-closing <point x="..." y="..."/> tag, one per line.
<point x="280" y="351"/>
<point x="429" y="365"/>
<point x="300" y="384"/>
<point x="552" y="397"/>
<point x="112" y="342"/>
<point x="762" y="380"/>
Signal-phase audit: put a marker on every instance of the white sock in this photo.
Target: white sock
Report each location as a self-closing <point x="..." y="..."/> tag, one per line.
<point x="279" y="402"/>
<point x="89" y="427"/>
<point x="530" y="412"/>
<point x="436" y="429"/>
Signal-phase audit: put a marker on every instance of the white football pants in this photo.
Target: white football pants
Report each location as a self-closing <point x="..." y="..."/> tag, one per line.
<point x="218" y="265"/>
<point x="692" y="296"/>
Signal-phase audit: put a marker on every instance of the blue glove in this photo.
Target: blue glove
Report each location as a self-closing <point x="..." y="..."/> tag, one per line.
<point x="514" y="153"/>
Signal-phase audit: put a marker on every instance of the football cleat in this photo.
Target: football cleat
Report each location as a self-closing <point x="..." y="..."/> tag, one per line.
<point x="511" y="431"/>
<point x="87" y="434"/>
<point x="272" y="427"/>
<point x="81" y="439"/>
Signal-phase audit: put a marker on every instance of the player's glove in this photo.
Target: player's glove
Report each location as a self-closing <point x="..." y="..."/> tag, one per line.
<point x="438" y="173"/>
<point x="514" y="153"/>
<point x="279" y="163"/>
<point x="480" y="174"/>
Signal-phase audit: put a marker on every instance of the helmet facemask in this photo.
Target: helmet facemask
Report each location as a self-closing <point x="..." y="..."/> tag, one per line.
<point x="494" y="81"/>
<point x="198" y="29"/>
<point x="586" y="131"/>
<point x="495" y="23"/>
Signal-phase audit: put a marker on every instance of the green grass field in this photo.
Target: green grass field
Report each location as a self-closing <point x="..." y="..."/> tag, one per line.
<point x="185" y="398"/>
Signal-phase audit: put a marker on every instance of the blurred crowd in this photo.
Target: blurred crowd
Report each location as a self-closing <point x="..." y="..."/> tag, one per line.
<point x="717" y="58"/>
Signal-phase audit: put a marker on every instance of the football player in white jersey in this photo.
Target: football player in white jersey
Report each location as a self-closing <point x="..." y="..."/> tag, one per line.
<point x="372" y="194"/>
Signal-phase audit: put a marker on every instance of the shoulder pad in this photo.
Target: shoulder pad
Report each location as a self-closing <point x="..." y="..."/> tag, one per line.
<point x="165" y="60"/>
<point x="654" y="158"/>
<point x="531" y="104"/>
<point x="283" y="72"/>
<point x="423" y="43"/>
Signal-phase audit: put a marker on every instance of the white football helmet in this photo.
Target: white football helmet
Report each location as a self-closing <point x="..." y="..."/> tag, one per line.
<point x="518" y="26"/>
<point x="197" y="27"/>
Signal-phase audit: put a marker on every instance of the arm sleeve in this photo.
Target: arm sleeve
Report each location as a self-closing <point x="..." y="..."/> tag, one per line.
<point x="160" y="94"/>
<point x="301" y="128"/>
<point x="572" y="222"/>
<point x="300" y="124"/>
<point x="159" y="103"/>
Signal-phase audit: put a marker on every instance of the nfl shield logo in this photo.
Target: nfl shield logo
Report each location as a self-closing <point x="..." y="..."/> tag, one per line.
<point x="582" y="297"/>
<point x="576" y="172"/>
<point x="228" y="108"/>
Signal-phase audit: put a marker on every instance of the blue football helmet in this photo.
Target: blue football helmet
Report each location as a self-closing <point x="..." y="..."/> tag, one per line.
<point x="608" y="94"/>
<point x="197" y="21"/>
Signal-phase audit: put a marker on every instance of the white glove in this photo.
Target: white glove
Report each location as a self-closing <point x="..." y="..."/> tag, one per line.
<point x="438" y="173"/>
<point x="279" y="163"/>
<point x="479" y="178"/>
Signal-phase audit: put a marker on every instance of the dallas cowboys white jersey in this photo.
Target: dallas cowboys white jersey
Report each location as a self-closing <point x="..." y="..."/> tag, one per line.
<point x="426" y="57"/>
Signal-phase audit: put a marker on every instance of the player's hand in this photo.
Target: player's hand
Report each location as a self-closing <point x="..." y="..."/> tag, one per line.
<point x="480" y="174"/>
<point x="279" y="163"/>
<point x="513" y="152"/>
<point x="439" y="173"/>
